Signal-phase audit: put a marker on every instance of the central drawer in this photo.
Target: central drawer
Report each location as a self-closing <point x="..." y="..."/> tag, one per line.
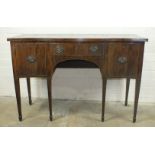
<point x="78" y="49"/>
<point x="90" y="49"/>
<point x="64" y="49"/>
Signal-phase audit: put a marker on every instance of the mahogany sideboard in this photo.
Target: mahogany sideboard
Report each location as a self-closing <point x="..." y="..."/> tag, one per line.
<point x="117" y="56"/>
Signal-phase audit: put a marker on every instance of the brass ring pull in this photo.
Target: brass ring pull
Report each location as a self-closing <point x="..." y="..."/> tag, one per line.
<point x="59" y="49"/>
<point x="122" y="60"/>
<point x="31" y="59"/>
<point x="93" y="48"/>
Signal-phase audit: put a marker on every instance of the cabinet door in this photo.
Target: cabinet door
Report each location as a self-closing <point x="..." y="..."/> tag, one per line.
<point x="29" y="59"/>
<point x="122" y="59"/>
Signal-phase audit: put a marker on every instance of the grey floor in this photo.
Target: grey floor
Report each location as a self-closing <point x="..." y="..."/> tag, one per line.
<point x="69" y="113"/>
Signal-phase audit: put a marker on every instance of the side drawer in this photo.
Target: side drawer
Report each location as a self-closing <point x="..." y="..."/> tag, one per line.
<point x="122" y="59"/>
<point x="29" y="59"/>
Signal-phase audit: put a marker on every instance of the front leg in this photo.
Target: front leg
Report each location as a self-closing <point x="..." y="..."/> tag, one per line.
<point x="29" y="90"/>
<point x="137" y="90"/>
<point x="104" y="83"/>
<point x="127" y="91"/>
<point x="49" y="86"/>
<point x="18" y="97"/>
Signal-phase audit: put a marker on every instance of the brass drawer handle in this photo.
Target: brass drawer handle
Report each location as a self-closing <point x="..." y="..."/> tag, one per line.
<point x="59" y="49"/>
<point x="122" y="60"/>
<point x="93" y="48"/>
<point x="31" y="59"/>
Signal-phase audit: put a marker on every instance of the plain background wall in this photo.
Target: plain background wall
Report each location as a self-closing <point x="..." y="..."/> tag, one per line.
<point x="79" y="84"/>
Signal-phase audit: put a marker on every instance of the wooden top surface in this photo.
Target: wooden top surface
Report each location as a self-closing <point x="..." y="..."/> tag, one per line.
<point x="78" y="37"/>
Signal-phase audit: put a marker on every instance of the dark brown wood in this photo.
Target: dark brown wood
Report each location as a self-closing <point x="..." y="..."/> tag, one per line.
<point x="137" y="90"/>
<point x="104" y="83"/>
<point x="128" y="68"/>
<point x="49" y="86"/>
<point x="29" y="90"/>
<point x="138" y="82"/>
<point x="117" y="56"/>
<point x="18" y="97"/>
<point x="127" y="91"/>
<point x="24" y="51"/>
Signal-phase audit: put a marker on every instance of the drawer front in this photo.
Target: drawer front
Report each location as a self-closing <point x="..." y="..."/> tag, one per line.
<point x="122" y="59"/>
<point x="64" y="49"/>
<point x="78" y="49"/>
<point x="29" y="59"/>
<point x="91" y="49"/>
